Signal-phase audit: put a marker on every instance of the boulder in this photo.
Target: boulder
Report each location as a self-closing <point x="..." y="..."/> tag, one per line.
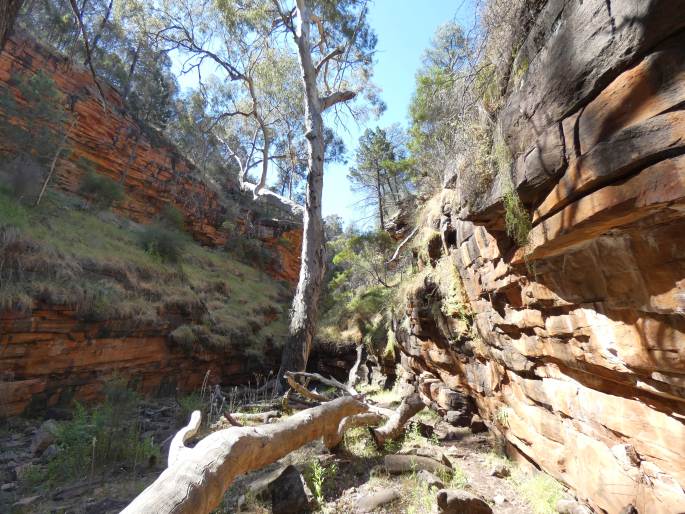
<point x="289" y="493"/>
<point x="453" y="501"/>
<point x="370" y="502"/>
<point x="430" y="479"/>
<point x="44" y="437"/>
<point x="500" y="471"/>
<point x="477" y="425"/>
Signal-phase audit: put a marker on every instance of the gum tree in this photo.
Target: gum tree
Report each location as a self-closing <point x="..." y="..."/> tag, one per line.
<point x="283" y="70"/>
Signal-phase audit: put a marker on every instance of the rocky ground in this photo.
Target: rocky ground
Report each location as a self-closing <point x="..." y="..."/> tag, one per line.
<point x="356" y="478"/>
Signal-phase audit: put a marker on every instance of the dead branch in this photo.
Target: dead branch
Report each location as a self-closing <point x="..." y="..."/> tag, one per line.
<point x="177" y="448"/>
<point x="60" y="149"/>
<point x="299" y="388"/>
<point x="79" y="20"/>
<point x="394" y="427"/>
<point x="352" y="377"/>
<point x="401" y="245"/>
<point x="348" y="389"/>
<point x="196" y="482"/>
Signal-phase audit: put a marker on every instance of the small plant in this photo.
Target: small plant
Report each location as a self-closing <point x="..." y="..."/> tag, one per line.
<point x="162" y="243"/>
<point x="172" y="217"/>
<point x="540" y="490"/>
<point x="317" y="477"/>
<point x="184" y="336"/>
<point x="502" y="416"/>
<point x="101" y="191"/>
<point x="189" y="403"/>
<point x="390" y="346"/>
<point x="516" y="218"/>
<point x="251" y="251"/>
<point x="107" y="435"/>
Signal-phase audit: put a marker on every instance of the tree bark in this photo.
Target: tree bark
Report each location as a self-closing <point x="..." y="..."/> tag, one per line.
<point x="9" y="9"/>
<point x="305" y="308"/>
<point x="197" y="480"/>
<point x="379" y="193"/>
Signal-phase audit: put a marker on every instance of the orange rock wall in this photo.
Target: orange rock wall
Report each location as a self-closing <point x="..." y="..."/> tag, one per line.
<point x="154" y="174"/>
<point x="49" y="357"/>
<point x="579" y="362"/>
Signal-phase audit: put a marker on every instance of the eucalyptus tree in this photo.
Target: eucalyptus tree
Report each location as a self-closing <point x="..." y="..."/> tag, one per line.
<point x="280" y="67"/>
<point x="381" y="170"/>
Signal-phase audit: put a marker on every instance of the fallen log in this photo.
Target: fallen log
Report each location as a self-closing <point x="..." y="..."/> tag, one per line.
<point x="262" y="417"/>
<point x="394" y="427"/>
<point x="198" y="477"/>
<point x="359" y="420"/>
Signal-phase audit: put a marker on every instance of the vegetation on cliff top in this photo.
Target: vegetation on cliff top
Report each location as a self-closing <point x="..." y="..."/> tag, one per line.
<point x="106" y="268"/>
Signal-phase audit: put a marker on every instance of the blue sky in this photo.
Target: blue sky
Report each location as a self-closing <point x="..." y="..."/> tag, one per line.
<point x="404" y="29"/>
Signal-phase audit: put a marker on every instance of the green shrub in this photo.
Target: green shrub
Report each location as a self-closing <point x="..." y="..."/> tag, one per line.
<point x="164" y="243"/>
<point x="105" y="436"/>
<point x="251" y="251"/>
<point x="172" y="217"/>
<point x="100" y="190"/>
<point x="189" y="403"/>
<point x="516" y="218"/>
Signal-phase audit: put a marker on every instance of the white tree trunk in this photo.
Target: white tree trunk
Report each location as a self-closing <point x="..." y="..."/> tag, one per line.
<point x="197" y="479"/>
<point x="305" y="309"/>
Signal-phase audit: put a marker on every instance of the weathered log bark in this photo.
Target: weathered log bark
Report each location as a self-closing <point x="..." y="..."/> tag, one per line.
<point x="394" y="427"/>
<point x="353" y="375"/>
<point x="359" y="420"/>
<point x="196" y="483"/>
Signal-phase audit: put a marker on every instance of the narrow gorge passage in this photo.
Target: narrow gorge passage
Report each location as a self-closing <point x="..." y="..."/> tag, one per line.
<point x="287" y="256"/>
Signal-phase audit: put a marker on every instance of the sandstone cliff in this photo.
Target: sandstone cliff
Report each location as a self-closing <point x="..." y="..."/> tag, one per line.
<point x="573" y="347"/>
<point x="210" y="313"/>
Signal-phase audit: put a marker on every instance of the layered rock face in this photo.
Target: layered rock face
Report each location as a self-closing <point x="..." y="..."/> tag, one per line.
<point x="151" y="168"/>
<point x="578" y="359"/>
<point x="52" y="356"/>
<point x="152" y="171"/>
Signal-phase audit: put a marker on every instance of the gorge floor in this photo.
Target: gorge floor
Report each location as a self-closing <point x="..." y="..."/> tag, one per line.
<point x="345" y="477"/>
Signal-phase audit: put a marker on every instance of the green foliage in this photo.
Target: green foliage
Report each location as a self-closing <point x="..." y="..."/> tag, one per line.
<point x="42" y="116"/>
<point x="190" y="403"/>
<point x="251" y="250"/>
<point x="381" y="171"/>
<point x="63" y="255"/>
<point x="318" y="475"/>
<point x="540" y="490"/>
<point x="100" y="438"/>
<point x="101" y="190"/>
<point x="516" y="217"/>
<point x="172" y="217"/>
<point x="12" y="213"/>
<point x="184" y="336"/>
<point x="163" y="243"/>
